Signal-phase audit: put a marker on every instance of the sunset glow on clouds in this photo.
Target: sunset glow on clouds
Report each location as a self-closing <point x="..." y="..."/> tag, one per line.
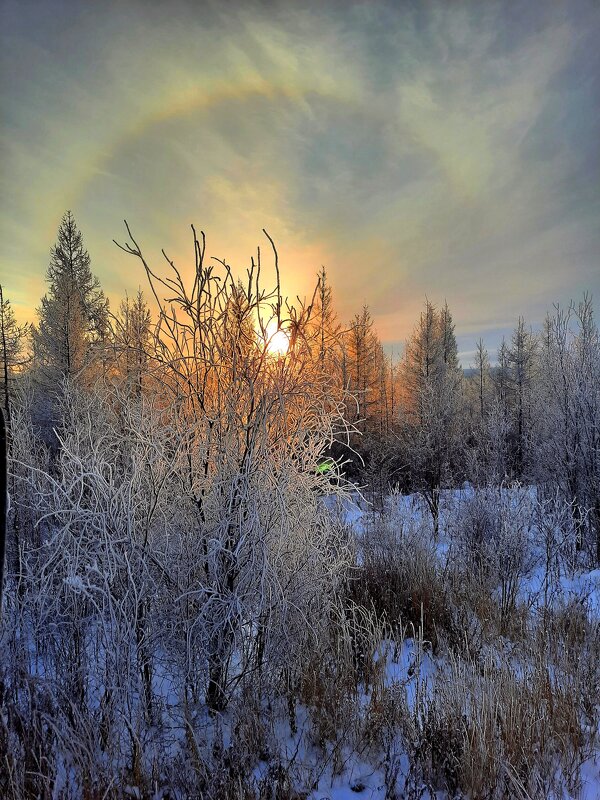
<point x="448" y="150"/>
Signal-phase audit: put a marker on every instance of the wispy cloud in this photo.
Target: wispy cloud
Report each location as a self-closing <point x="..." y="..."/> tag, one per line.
<point x="440" y="149"/>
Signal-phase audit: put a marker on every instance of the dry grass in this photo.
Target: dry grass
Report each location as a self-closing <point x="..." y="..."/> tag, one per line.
<point x="401" y="580"/>
<point x="514" y="713"/>
<point x="512" y="710"/>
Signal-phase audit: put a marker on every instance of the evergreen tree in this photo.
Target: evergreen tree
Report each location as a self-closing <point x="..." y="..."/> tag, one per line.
<point x="72" y="314"/>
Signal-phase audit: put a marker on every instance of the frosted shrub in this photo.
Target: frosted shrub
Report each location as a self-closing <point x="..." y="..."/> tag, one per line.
<point x="492" y="542"/>
<point x="177" y="559"/>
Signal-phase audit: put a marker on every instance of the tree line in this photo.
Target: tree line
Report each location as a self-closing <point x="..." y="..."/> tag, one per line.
<point x="420" y="423"/>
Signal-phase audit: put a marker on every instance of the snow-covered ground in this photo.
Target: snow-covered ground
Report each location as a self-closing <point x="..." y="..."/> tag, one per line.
<point x="547" y="580"/>
<point x="393" y="735"/>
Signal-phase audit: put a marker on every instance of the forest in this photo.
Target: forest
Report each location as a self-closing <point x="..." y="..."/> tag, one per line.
<point x="250" y="555"/>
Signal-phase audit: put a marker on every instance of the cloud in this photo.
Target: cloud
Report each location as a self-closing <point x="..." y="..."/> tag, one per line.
<point x="440" y="149"/>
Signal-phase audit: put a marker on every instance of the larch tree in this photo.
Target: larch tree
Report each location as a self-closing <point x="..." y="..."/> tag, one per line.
<point x="521" y="372"/>
<point x="431" y="405"/>
<point x="72" y="317"/>
<point x="501" y="376"/>
<point x="12" y="345"/>
<point x="365" y="377"/>
<point x="587" y="393"/>
<point x="132" y="338"/>
<point x="12" y="340"/>
<point x="363" y="359"/>
<point x="482" y="368"/>
<point x="327" y="330"/>
<point x="480" y="416"/>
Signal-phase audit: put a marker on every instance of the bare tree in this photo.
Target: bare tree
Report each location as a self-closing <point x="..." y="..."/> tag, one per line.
<point x="568" y="428"/>
<point x="328" y="331"/>
<point x="3" y="501"/>
<point x="254" y="421"/>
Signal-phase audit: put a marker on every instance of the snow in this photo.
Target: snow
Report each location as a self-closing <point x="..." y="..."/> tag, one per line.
<point x="410" y="668"/>
<point x="415" y="670"/>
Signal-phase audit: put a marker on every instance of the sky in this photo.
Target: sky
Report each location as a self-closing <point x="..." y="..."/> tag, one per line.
<point x="444" y="150"/>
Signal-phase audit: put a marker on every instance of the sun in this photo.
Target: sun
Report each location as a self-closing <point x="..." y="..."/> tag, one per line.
<point x="278" y="341"/>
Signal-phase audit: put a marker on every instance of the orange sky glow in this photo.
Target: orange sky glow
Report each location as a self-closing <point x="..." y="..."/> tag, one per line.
<point x="447" y="150"/>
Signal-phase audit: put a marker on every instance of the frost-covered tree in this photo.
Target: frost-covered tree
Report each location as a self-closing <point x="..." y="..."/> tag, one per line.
<point x="481" y="419"/>
<point x="522" y="354"/>
<point x="501" y="376"/>
<point x="363" y="353"/>
<point x="568" y="420"/>
<point x="366" y="378"/>
<point x="253" y="422"/>
<point x="482" y="372"/>
<point x="327" y="330"/>
<point x="512" y="403"/>
<point x="132" y="340"/>
<point x="12" y="350"/>
<point x="431" y="411"/>
<point x="72" y="317"/>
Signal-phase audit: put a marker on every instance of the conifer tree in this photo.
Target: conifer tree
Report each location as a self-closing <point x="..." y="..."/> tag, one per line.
<point x="521" y="363"/>
<point x="364" y="354"/>
<point x="132" y="340"/>
<point x="431" y="405"/>
<point x="72" y="314"/>
<point x="482" y="367"/>
<point x="328" y="329"/>
<point x="12" y="342"/>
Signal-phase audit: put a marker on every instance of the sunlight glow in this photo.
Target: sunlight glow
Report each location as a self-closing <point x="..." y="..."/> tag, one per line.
<point x="278" y="341"/>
